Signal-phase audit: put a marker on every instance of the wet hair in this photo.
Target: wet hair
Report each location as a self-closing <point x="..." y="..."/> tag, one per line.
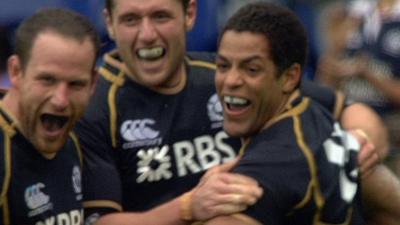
<point x="61" y="21"/>
<point x="280" y="26"/>
<point x="109" y="4"/>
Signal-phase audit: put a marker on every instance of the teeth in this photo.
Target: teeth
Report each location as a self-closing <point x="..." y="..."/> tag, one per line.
<point x="150" y="53"/>
<point x="235" y="100"/>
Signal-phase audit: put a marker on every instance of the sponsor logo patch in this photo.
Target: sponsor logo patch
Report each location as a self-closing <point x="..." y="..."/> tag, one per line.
<point x="139" y="133"/>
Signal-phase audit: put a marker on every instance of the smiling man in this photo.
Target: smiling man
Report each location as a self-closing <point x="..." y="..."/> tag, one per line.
<point x="52" y="76"/>
<point x="299" y="155"/>
<point x="154" y="126"/>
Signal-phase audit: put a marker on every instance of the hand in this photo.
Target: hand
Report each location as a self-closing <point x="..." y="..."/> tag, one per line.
<point x="221" y="193"/>
<point x="368" y="157"/>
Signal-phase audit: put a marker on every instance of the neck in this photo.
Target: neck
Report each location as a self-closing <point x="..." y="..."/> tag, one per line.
<point x="173" y="85"/>
<point x="48" y="155"/>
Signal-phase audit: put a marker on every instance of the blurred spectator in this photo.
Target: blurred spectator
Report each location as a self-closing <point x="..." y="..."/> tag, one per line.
<point x="362" y="57"/>
<point x="339" y="39"/>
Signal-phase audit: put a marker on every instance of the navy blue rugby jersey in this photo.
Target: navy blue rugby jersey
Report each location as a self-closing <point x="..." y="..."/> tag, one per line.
<point x="154" y="146"/>
<point x="307" y="167"/>
<point x="34" y="189"/>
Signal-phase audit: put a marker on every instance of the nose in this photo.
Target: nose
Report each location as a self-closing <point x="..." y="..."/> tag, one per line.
<point x="233" y="78"/>
<point x="147" y="32"/>
<point x="60" y="98"/>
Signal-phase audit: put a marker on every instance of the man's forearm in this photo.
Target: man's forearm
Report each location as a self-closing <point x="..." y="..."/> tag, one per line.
<point x="381" y="196"/>
<point x="166" y="214"/>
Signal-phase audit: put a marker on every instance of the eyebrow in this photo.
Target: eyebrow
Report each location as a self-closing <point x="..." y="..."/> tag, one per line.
<point x="246" y="60"/>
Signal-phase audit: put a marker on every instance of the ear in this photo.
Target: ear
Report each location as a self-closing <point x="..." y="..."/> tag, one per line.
<point x="15" y="70"/>
<point x="190" y="16"/>
<point x="290" y="79"/>
<point x="108" y="19"/>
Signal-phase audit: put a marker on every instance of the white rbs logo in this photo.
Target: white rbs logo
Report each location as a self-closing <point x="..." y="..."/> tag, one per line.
<point x="134" y="130"/>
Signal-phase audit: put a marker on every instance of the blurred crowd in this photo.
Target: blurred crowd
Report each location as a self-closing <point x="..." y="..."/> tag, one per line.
<point x="360" y="56"/>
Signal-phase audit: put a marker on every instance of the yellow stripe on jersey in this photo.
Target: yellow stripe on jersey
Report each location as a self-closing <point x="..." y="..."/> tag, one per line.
<point x="243" y="148"/>
<point x="200" y="63"/>
<point x="315" y="189"/>
<point x="7" y="179"/>
<point x="8" y="128"/>
<point x="102" y="204"/>
<point x="9" y="131"/>
<point x="117" y="81"/>
<point x="291" y="111"/>
<point x="77" y="146"/>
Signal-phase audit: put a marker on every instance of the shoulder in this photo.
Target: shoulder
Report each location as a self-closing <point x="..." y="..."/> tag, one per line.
<point x="332" y="100"/>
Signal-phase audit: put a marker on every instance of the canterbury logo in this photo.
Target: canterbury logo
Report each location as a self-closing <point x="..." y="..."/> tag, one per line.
<point x="134" y="130"/>
<point x="34" y="197"/>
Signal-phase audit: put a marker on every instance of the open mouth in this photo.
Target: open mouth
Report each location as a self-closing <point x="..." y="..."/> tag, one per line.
<point x="150" y="54"/>
<point x="52" y="122"/>
<point x="236" y="103"/>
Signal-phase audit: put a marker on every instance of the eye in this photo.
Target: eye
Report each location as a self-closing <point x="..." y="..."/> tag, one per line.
<point x="252" y="69"/>
<point x="130" y="19"/>
<point x="77" y="85"/>
<point x="161" y="16"/>
<point x="222" y="66"/>
<point x="47" y="79"/>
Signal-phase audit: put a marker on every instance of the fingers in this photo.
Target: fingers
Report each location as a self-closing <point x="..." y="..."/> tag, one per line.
<point x="368" y="156"/>
<point x="235" y="178"/>
<point x="361" y="136"/>
<point x="240" y="185"/>
<point x="368" y="163"/>
<point x="226" y="167"/>
<point x="238" y="199"/>
<point x="224" y="193"/>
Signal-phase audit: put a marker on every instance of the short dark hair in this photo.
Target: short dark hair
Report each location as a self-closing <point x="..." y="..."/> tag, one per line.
<point x="280" y="26"/>
<point x="109" y="4"/>
<point x="61" y="21"/>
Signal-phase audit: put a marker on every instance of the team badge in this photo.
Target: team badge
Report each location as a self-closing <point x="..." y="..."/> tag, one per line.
<point x="215" y="112"/>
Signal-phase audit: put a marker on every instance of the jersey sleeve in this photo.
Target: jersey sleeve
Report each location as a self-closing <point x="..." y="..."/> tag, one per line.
<point x="284" y="180"/>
